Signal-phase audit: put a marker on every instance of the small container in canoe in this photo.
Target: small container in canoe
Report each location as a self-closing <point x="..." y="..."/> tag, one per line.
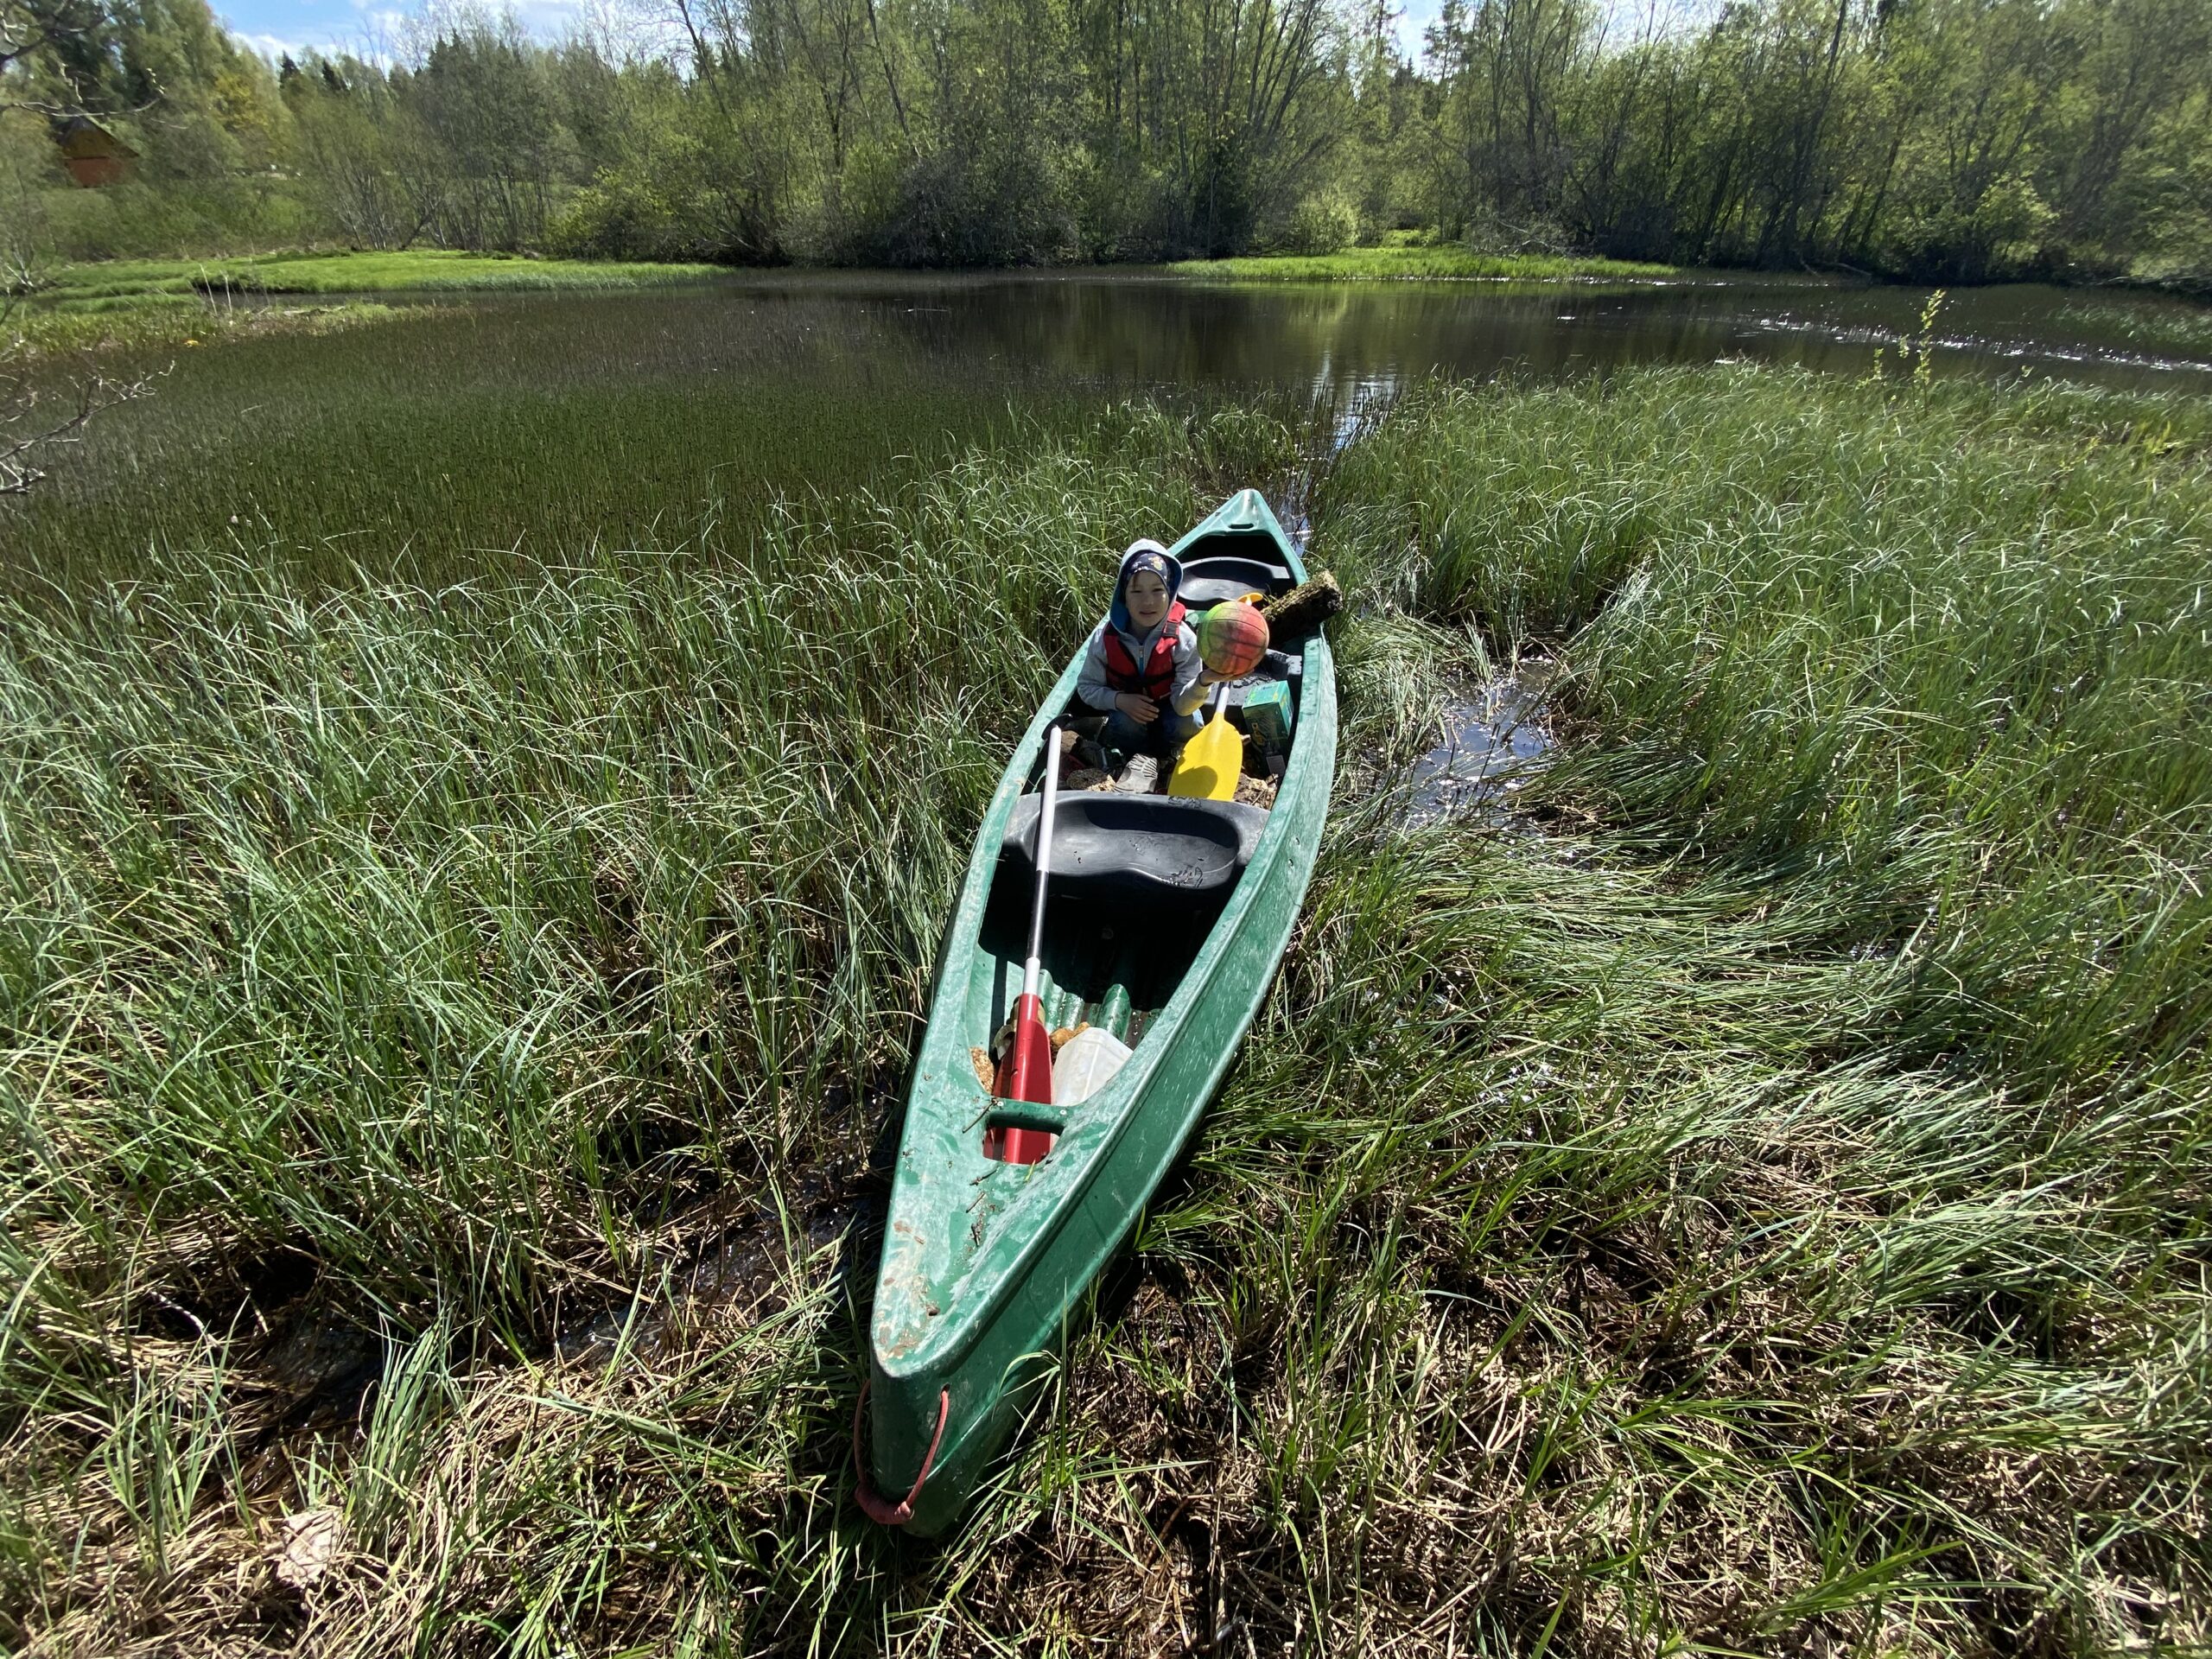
<point x="1166" y="920"/>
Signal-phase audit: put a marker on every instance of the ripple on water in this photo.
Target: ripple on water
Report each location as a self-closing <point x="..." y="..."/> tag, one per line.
<point x="1494" y="738"/>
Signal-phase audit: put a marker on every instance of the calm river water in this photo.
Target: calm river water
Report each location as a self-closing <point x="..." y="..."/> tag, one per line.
<point x="1346" y="339"/>
<point x="483" y="425"/>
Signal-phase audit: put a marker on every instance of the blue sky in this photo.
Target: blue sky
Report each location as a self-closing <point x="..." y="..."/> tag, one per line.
<point x="277" y="26"/>
<point x="1417" y="16"/>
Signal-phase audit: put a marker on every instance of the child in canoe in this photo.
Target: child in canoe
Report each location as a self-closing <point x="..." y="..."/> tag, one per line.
<point x="1142" y="669"/>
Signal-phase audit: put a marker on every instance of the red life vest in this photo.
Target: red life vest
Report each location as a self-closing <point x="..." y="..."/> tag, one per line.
<point x="1157" y="678"/>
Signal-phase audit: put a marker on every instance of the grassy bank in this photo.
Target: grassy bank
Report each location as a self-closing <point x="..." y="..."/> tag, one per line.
<point x="1417" y="264"/>
<point x="1754" y="1199"/>
<point x="152" y="304"/>
<point x="420" y="269"/>
<point x="174" y="323"/>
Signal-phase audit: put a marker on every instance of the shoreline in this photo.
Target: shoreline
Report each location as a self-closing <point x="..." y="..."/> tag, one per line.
<point x="122" y="305"/>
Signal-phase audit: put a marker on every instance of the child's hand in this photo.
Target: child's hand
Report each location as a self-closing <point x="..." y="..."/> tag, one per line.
<point x="1207" y="676"/>
<point x="1143" y="710"/>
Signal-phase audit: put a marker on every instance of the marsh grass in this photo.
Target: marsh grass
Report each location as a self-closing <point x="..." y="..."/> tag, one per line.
<point x="492" y="427"/>
<point x="457" y="437"/>
<point x="1692" y="1215"/>
<point x="125" y="305"/>
<point x="1909" y="638"/>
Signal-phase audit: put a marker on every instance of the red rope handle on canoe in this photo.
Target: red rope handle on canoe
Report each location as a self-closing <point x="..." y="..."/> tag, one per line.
<point x="871" y="1500"/>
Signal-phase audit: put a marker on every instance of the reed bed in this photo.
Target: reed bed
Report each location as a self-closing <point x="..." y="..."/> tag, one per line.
<point x="504" y="432"/>
<point x="1750" y="1197"/>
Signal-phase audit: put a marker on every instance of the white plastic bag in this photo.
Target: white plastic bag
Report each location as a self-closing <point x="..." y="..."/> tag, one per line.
<point x="1086" y="1065"/>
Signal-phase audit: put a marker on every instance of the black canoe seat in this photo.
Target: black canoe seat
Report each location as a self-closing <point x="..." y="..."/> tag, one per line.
<point x="1105" y="843"/>
<point x="1226" y="565"/>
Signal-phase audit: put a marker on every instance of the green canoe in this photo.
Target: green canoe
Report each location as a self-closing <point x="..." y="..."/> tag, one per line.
<point x="1168" y="919"/>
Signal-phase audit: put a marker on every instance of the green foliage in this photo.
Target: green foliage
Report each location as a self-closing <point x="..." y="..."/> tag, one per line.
<point x="669" y="207"/>
<point x="1322" y="224"/>
<point x="29" y="171"/>
<point x="148" y="217"/>
<point x="1946" y="140"/>
<point x="1942" y="140"/>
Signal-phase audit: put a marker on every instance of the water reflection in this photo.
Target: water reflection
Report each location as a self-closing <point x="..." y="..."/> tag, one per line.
<point x="1346" y="341"/>
<point x="1494" y="737"/>
<point x="548" y="423"/>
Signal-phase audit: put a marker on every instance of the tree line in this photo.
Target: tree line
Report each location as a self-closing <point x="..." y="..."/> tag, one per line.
<point x="1941" y="139"/>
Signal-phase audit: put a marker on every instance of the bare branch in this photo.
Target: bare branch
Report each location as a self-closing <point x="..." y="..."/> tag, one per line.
<point x="27" y="430"/>
<point x="21" y="34"/>
<point x="20" y="405"/>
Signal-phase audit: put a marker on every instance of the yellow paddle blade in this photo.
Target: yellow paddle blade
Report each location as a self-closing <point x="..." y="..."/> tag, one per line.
<point x="1211" y="762"/>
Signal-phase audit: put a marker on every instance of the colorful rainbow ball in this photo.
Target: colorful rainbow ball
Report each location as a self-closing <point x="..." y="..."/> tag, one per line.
<point x="1232" y="639"/>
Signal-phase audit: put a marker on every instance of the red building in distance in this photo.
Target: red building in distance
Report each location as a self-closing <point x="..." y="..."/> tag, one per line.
<point x="93" y="155"/>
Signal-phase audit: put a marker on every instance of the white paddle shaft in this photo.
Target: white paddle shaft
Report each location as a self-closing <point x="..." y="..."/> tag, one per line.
<point x="1031" y="969"/>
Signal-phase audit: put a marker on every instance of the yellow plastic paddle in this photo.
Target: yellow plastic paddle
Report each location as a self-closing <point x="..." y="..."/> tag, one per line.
<point x="1212" y="759"/>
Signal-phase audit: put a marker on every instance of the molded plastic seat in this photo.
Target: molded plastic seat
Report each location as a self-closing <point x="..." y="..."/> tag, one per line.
<point x="1217" y="571"/>
<point x="1161" y="845"/>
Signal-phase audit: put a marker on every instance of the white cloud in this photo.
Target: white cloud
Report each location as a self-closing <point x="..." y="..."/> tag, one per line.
<point x="1415" y="17"/>
<point x="270" y="47"/>
<point x="275" y="28"/>
<point x="549" y="20"/>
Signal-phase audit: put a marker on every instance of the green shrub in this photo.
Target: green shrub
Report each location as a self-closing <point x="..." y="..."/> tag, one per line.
<point x="1323" y="223"/>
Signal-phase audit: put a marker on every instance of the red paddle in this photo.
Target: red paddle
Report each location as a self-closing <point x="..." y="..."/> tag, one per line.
<point x="1025" y="1069"/>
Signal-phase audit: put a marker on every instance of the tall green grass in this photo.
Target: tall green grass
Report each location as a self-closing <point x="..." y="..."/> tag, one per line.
<point x="1685" y="1215"/>
<point x="1950" y="651"/>
<point x="415" y="957"/>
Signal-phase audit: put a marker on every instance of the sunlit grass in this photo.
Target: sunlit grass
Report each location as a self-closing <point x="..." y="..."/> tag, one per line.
<point x="355" y="272"/>
<point x="1751" y="1198"/>
<point x="175" y="321"/>
<point x="1422" y="264"/>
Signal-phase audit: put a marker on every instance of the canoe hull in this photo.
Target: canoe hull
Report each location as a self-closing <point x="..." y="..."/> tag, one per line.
<point x="1018" y="1289"/>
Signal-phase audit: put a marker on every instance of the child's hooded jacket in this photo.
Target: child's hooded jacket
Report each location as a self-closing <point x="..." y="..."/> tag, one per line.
<point x="1092" y="687"/>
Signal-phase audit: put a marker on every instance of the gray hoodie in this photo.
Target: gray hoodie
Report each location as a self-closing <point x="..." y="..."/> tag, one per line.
<point x="1091" y="688"/>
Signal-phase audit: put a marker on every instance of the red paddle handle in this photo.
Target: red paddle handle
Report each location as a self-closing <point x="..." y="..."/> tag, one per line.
<point x="1025" y="1073"/>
